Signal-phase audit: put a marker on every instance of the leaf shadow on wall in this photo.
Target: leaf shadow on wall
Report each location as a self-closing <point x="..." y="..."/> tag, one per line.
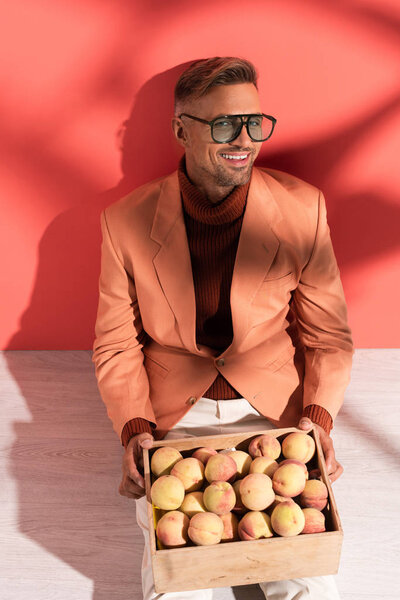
<point x="64" y="302"/>
<point x="363" y="225"/>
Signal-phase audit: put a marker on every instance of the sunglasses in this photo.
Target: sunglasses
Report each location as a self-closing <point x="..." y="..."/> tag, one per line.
<point x="227" y="128"/>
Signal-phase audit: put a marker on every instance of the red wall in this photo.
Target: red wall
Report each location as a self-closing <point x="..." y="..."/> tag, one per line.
<point x="85" y="117"/>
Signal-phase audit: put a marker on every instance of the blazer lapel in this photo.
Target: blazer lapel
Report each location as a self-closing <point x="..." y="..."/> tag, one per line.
<point x="172" y="261"/>
<point x="256" y="250"/>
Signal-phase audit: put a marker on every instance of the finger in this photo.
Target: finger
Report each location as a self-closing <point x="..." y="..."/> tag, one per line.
<point x="127" y="485"/>
<point x="128" y="460"/>
<point x="330" y="460"/>
<point x="305" y="423"/>
<point x="146" y="443"/>
<point x="123" y="492"/>
<point x="129" y="494"/>
<point x="130" y="464"/>
<point x="314" y="474"/>
<point x="337" y="473"/>
<point x="137" y="448"/>
<point x="135" y="476"/>
<point x="133" y="491"/>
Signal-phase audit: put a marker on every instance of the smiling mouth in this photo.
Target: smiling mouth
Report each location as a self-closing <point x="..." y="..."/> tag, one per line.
<point x="236" y="159"/>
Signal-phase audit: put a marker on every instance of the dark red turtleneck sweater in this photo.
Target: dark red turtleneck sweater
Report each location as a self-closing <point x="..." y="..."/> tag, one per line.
<point x="213" y="234"/>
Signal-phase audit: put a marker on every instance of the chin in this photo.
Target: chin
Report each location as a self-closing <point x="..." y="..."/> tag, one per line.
<point x="241" y="178"/>
<point x="228" y="179"/>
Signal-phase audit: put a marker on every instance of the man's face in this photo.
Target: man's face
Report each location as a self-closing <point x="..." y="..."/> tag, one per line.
<point x="209" y="160"/>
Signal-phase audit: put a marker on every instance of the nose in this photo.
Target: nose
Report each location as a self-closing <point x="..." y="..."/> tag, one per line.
<point x="243" y="138"/>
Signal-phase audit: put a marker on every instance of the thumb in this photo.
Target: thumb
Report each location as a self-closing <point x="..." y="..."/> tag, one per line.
<point x="305" y="423"/>
<point x="147" y="442"/>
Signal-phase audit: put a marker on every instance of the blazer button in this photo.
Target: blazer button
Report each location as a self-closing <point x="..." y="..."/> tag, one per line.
<point x="191" y="400"/>
<point x="221" y="362"/>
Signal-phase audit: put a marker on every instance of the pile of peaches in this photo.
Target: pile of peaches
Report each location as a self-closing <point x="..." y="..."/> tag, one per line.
<point x="212" y="497"/>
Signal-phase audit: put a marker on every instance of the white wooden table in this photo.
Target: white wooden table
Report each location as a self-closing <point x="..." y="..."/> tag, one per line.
<point x="66" y="534"/>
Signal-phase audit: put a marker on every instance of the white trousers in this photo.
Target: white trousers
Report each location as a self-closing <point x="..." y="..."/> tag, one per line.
<point x="213" y="417"/>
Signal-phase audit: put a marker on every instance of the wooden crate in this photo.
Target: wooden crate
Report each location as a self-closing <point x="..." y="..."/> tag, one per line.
<point x="243" y="562"/>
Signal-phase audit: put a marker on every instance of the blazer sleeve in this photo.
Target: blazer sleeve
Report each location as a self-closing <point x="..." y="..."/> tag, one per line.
<point x="117" y="348"/>
<point x="321" y="313"/>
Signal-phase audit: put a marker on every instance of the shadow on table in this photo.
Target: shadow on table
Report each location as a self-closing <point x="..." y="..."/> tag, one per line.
<point x="67" y="462"/>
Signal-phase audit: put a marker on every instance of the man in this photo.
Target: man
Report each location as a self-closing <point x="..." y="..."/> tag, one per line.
<point x="219" y="287"/>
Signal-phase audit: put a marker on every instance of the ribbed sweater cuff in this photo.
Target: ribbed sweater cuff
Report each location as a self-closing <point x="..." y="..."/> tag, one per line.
<point x="133" y="427"/>
<point x="319" y="415"/>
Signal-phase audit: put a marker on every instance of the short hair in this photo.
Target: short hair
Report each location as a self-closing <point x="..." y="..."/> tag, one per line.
<point x="206" y="73"/>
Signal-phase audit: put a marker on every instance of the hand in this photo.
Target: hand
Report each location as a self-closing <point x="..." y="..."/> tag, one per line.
<point x="334" y="468"/>
<point x="132" y="484"/>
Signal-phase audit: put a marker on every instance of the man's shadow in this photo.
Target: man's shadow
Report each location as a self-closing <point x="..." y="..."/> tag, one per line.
<point x="64" y="299"/>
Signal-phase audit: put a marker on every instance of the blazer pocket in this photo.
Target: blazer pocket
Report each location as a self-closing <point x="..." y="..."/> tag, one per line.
<point x="282" y="359"/>
<point x="278" y="281"/>
<point x="153" y="366"/>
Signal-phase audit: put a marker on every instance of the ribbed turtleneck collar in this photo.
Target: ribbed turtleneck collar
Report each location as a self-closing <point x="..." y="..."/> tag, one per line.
<point x="199" y="208"/>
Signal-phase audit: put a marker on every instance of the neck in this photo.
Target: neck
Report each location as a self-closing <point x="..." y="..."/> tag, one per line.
<point x="213" y="192"/>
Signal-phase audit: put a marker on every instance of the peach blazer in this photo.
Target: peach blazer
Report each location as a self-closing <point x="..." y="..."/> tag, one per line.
<point x="291" y="342"/>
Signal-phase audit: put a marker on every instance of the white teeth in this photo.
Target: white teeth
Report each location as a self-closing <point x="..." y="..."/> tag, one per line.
<point x="234" y="157"/>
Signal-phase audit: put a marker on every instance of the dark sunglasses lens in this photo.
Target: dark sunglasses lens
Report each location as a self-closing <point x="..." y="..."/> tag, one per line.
<point x="259" y="127"/>
<point x="226" y="129"/>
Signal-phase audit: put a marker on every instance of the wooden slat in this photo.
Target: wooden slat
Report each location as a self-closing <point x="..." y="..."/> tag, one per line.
<point x="239" y="563"/>
<point x="334" y="514"/>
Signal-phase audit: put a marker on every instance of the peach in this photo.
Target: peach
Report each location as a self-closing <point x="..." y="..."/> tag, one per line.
<point x="204" y="454"/>
<point x="314" y="521"/>
<point x="243" y="462"/>
<point x="289" y="480"/>
<point x="287" y="519"/>
<point x="264" y="464"/>
<point x="314" y="495"/>
<point x="219" y="497"/>
<point x="192" y="504"/>
<point x="205" y="529"/>
<point x="293" y="461"/>
<point x="277" y="501"/>
<point x="265" y="445"/>
<point x="230" y="532"/>
<point x="163" y="459"/>
<point x="191" y="472"/>
<point x="256" y="491"/>
<point x="298" y="445"/>
<point x="255" y="525"/>
<point x="239" y="507"/>
<point x="220" y="467"/>
<point x="172" y="529"/>
<point x="167" y="492"/>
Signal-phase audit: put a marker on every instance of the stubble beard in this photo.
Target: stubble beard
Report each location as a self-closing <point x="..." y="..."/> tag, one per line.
<point x="225" y="178"/>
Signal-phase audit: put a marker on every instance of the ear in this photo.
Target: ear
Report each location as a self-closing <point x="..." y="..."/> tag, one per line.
<point x="179" y="131"/>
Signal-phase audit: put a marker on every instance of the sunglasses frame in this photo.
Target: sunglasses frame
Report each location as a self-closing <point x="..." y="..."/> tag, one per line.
<point x="244" y="122"/>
